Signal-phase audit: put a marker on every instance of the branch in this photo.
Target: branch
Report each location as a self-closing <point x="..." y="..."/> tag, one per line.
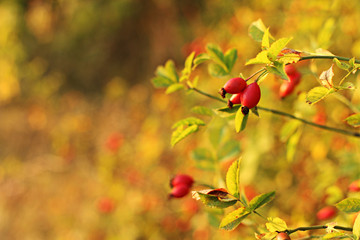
<point x="327" y="57"/>
<point x="318" y="227"/>
<point x="277" y="112"/>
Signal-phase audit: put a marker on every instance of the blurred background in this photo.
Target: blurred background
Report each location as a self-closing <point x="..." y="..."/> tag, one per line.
<point x="85" y="138"/>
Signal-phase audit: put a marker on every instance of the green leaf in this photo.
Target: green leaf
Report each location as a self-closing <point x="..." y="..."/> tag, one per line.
<point x="257" y="29"/>
<point x="276" y="225"/>
<point x="353" y="120"/>
<point x="203" y="159"/>
<point x="333" y="235"/>
<point x="238" y="120"/>
<point x="291" y="145"/>
<point x="174" y="87"/>
<point x="289" y="129"/>
<point x="168" y="71"/>
<point x="260" y="200"/>
<point x="216" y="70"/>
<point x="356" y="228"/>
<point x="217" y="56"/>
<point x="230" y="58"/>
<point x="202" y="57"/>
<point x="276" y="48"/>
<point x="188" y="121"/>
<point x="229" y="149"/>
<point x="202" y="110"/>
<point x="346" y="86"/>
<point x="278" y="69"/>
<point x="317" y="94"/>
<point x="349" y="205"/>
<point x="180" y="133"/>
<point x="289" y="58"/>
<point x="342" y="65"/>
<point x="261" y="58"/>
<point x="161" y="82"/>
<point x="233" y="219"/>
<point x="188" y="63"/>
<point x="233" y="178"/>
<point x="265" y="44"/>
<point x="214" y="201"/>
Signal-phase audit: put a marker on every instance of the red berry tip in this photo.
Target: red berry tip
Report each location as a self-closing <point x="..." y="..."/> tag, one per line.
<point x="245" y="110"/>
<point x="222" y="92"/>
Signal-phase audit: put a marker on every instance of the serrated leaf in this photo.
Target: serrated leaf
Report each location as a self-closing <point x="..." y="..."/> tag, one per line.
<point x="356" y="227"/>
<point x="265" y="43"/>
<point x="202" y="110"/>
<point x="233" y="219"/>
<point x="256" y="31"/>
<point x="349" y="205"/>
<point x="261" y="58"/>
<point x="278" y="69"/>
<point x="216" y="70"/>
<point x="180" y="133"/>
<point x="214" y="201"/>
<point x="260" y="200"/>
<point x="317" y="94"/>
<point x="326" y="77"/>
<point x="276" y="225"/>
<point x="233" y="178"/>
<point x="229" y="149"/>
<point x="161" y="82"/>
<point x="276" y="48"/>
<point x="230" y="58"/>
<point x="188" y="64"/>
<point x="217" y="56"/>
<point x="289" y="58"/>
<point x="341" y="65"/>
<point x="202" y="57"/>
<point x="189" y="121"/>
<point x="353" y="120"/>
<point x="174" y="87"/>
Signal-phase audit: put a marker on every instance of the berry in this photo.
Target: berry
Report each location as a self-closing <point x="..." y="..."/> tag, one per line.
<point x="180" y="191"/>
<point x="286" y="89"/>
<point x="326" y="213"/>
<point x="354" y="186"/>
<point x="250" y="97"/>
<point x="283" y="236"/>
<point x="290" y="69"/>
<point x="235" y="99"/>
<point x="182" y="179"/>
<point x="234" y="85"/>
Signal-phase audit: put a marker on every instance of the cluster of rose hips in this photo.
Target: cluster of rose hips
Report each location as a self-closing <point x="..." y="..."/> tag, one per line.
<point x="287" y="87"/>
<point x="181" y="185"/>
<point x="246" y="95"/>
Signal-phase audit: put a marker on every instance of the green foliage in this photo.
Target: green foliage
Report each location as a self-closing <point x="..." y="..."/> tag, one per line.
<point x="233" y="219"/>
<point x="349" y="205"/>
<point x="233" y="178"/>
<point x="317" y="94"/>
<point x="260" y="201"/>
<point x="356" y="228"/>
<point x="202" y="110"/>
<point x="180" y="133"/>
<point x="353" y="120"/>
<point x="276" y="225"/>
<point x="257" y="30"/>
<point x="216" y="201"/>
<point x="240" y="120"/>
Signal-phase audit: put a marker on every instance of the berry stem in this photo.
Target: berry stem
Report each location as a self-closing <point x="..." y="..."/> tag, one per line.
<point x="290" y="231"/>
<point x="259" y="71"/>
<point x="277" y="112"/>
<point x="327" y="57"/>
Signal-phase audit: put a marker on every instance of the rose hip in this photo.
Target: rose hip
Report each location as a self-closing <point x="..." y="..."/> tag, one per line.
<point x="250" y="97"/>
<point x="182" y="179"/>
<point x="326" y="213"/>
<point x="180" y="191"/>
<point x="234" y="85"/>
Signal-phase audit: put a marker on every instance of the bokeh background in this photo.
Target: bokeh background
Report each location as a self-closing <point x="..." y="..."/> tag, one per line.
<point x="85" y="138"/>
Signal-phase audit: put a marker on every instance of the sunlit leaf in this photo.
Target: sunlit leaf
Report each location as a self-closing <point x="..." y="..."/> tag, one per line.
<point x="278" y="69"/>
<point x="233" y="178"/>
<point x="212" y="200"/>
<point x="188" y="63"/>
<point x="238" y="120"/>
<point x="161" y="82"/>
<point x="260" y="200"/>
<point x="356" y="228"/>
<point x="256" y="31"/>
<point x="333" y="235"/>
<point x="349" y="205"/>
<point x="265" y="43"/>
<point x="261" y="58"/>
<point x="342" y="65"/>
<point x="276" y="225"/>
<point x="180" y="133"/>
<point x="317" y="93"/>
<point x="202" y="110"/>
<point x="226" y="111"/>
<point x="353" y="120"/>
<point x="276" y="48"/>
<point x="174" y="87"/>
<point x="188" y="121"/>
<point x="233" y="219"/>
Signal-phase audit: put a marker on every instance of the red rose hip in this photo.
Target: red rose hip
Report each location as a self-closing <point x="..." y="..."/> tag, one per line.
<point x="326" y="213"/>
<point x="250" y="97"/>
<point x="234" y="85"/>
<point x="180" y="191"/>
<point x="182" y="179"/>
<point x="283" y="236"/>
<point x="286" y="89"/>
<point x="235" y="99"/>
<point x="354" y="186"/>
